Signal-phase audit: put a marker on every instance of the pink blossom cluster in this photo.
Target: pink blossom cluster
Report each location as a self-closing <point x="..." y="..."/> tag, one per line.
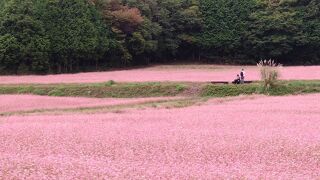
<point x="154" y="74"/>
<point x="254" y="138"/>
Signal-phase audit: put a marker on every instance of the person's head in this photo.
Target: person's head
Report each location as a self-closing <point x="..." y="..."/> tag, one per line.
<point x="238" y="75"/>
<point x="242" y="69"/>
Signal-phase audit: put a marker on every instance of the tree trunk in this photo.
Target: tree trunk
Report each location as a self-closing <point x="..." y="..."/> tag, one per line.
<point x="59" y="68"/>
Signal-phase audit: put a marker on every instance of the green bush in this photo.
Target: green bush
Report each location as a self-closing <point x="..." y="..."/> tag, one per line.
<point x="180" y="87"/>
<point x="110" y="83"/>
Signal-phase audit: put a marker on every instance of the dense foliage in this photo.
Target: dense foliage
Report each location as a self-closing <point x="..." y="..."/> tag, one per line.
<point x="56" y="36"/>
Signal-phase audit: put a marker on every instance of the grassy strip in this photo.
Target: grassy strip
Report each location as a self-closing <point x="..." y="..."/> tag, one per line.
<point x="152" y="89"/>
<point x="282" y="88"/>
<point x="175" y="103"/>
<point x="229" y="90"/>
<point x="161" y="89"/>
<point x="100" y="90"/>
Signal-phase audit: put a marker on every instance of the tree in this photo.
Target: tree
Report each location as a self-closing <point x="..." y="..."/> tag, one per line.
<point x="23" y="43"/>
<point x="282" y="30"/>
<point x="60" y="36"/>
<point x="309" y="48"/>
<point x="174" y="25"/>
<point x="75" y="30"/>
<point x="124" y="22"/>
<point x="225" y="22"/>
<point x="272" y="33"/>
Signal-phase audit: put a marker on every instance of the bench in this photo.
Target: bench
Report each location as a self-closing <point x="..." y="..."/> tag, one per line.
<point x="219" y="82"/>
<point x="226" y="82"/>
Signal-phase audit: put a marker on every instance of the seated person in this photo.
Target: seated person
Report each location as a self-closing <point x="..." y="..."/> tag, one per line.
<point x="237" y="80"/>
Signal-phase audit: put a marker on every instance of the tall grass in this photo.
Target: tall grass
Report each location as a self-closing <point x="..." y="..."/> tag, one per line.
<point x="269" y="72"/>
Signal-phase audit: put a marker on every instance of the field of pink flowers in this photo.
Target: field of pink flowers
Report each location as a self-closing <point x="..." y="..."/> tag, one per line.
<point x="169" y="73"/>
<point x="248" y="138"/>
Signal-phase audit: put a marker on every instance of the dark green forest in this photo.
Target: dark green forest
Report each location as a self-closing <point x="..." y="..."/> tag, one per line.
<point x="61" y="36"/>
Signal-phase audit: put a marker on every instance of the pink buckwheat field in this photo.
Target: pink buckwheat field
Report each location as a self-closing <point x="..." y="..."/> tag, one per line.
<point x="252" y="138"/>
<point x="60" y="127"/>
<point x="159" y="89"/>
<point x="185" y="73"/>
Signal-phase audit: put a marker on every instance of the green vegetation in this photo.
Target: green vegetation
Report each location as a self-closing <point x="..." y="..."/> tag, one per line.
<point x="229" y="90"/>
<point x="286" y="30"/>
<point x="55" y="36"/>
<point x="109" y="89"/>
<point x="158" y="89"/>
<point x="225" y="25"/>
<point x="24" y="44"/>
<point x="132" y="90"/>
<point x="280" y="89"/>
<point x="166" y="103"/>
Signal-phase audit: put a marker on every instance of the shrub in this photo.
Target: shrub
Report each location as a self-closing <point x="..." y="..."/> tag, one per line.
<point x="110" y="83"/>
<point x="269" y="71"/>
<point x="180" y="87"/>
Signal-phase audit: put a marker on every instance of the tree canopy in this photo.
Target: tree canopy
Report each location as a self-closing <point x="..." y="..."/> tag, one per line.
<point x="59" y="36"/>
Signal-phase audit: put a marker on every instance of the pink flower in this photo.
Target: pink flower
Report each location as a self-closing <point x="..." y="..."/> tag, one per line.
<point x="245" y="138"/>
